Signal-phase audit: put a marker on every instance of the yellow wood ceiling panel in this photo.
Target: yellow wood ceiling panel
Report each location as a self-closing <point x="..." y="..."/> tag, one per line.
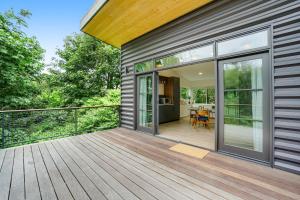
<point x="120" y="21"/>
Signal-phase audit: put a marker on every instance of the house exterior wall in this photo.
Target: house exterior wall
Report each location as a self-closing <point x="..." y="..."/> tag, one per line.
<point x="214" y="22"/>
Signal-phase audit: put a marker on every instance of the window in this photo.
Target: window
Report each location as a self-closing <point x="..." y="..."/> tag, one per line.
<point x="204" y="95"/>
<point x="186" y="56"/>
<point x="248" y="42"/>
<point x="144" y="66"/>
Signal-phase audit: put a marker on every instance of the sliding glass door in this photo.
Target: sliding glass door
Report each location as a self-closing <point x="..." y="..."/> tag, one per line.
<point x="244" y="106"/>
<point x="145" y="102"/>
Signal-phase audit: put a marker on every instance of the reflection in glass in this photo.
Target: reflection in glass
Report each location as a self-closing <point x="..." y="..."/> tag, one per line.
<point x="243" y="104"/>
<point x="145" y="101"/>
<point x="243" y="43"/>
<point x="144" y="66"/>
<point x="186" y="56"/>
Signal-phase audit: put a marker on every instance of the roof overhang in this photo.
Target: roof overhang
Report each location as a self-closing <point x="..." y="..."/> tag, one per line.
<point x="117" y="22"/>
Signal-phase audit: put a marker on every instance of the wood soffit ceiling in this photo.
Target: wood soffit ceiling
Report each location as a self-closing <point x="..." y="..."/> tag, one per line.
<point x="117" y="22"/>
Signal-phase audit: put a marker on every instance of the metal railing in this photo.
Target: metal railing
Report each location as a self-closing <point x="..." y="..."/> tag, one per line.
<point x="18" y="127"/>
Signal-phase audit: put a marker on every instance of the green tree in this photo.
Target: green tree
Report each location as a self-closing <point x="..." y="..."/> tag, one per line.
<point x="89" y="67"/>
<point x="20" y="62"/>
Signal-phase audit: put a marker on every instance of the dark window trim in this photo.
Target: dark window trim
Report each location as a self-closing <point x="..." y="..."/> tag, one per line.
<point x="242" y="35"/>
<point x="185" y="50"/>
<point x="215" y="56"/>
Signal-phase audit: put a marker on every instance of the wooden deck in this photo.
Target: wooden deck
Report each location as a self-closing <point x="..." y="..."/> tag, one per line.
<point x="123" y="164"/>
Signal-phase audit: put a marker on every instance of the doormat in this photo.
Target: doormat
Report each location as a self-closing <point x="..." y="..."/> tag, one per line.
<point x="189" y="150"/>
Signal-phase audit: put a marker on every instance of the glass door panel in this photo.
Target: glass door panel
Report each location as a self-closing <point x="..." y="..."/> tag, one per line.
<point x="145" y="102"/>
<point x="244" y="111"/>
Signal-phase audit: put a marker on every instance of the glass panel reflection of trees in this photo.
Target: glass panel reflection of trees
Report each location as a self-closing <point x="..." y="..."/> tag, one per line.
<point x="145" y="101"/>
<point x="144" y="66"/>
<point x="199" y="95"/>
<point x="243" y="109"/>
<point x="186" y="56"/>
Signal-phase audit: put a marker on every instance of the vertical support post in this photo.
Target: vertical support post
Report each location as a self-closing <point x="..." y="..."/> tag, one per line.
<point x="76" y="121"/>
<point x="3" y="132"/>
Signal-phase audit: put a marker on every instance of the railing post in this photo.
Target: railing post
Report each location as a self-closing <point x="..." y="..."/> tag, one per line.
<point x="2" y="125"/>
<point x="76" y="121"/>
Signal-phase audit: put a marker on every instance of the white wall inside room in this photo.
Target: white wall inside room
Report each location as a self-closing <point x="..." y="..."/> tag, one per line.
<point x="189" y="75"/>
<point x="190" y="78"/>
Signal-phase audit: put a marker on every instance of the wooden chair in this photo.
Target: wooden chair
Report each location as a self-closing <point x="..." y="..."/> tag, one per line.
<point x="193" y="114"/>
<point x="202" y="117"/>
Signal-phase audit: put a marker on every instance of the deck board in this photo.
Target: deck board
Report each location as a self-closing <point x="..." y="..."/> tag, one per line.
<point x="162" y="177"/>
<point x="124" y="164"/>
<point x="6" y="172"/>
<point x="45" y="184"/>
<point x="91" y="174"/>
<point x="117" y="171"/>
<point x="74" y="186"/>
<point x="17" y="188"/>
<point x="160" y="190"/>
<point x="190" y="182"/>
<point x="61" y="189"/>
<point x="32" y="190"/>
<point x="2" y="154"/>
<point x="109" y="175"/>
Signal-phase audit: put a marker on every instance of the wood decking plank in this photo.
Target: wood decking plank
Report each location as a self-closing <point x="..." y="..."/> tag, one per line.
<point x="154" y="186"/>
<point x="188" y="181"/>
<point x="274" y="176"/>
<point x="84" y="181"/>
<point x="32" y="190"/>
<point x="94" y="177"/>
<point x="124" y="164"/>
<point x="260" y="189"/>
<point x="6" y="173"/>
<point x="50" y="180"/>
<point x="2" y="154"/>
<point x="139" y="190"/>
<point x="17" y="188"/>
<point x="242" y="169"/>
<point x="181" y="163"/>
<point x="163" y="178"/>
<point x="111" y="176"/>
<point x="74" y="186"/>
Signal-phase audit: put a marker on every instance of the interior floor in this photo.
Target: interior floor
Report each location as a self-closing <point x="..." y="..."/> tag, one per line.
<point x="183" y="131"/>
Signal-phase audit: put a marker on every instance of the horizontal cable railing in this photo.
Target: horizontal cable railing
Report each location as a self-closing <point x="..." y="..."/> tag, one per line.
<point x="20" y="127"/>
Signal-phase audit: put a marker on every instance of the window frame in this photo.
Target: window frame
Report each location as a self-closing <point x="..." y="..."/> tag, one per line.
<point x="247" y="51"/>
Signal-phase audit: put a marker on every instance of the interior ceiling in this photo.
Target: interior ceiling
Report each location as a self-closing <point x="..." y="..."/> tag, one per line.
<point x="189" y="75"/>
<point x="120" y="21"/>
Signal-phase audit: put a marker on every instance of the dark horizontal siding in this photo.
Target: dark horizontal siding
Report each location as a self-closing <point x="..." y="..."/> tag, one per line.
<point x="127" y="101"/>
<point x="287" y="92"/>
<point x="214" y="22"/>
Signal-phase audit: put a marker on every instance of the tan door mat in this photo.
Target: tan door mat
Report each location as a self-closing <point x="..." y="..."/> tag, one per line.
<point x="189" y="150"/>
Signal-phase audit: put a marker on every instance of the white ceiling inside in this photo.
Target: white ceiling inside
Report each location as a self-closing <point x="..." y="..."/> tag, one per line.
<point x="189" y="75"/>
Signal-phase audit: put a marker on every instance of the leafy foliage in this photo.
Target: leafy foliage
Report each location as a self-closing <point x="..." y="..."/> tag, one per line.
<point x="90" y="67"/>
<point x="85" y="74"/>
<point x="20" y="62"/>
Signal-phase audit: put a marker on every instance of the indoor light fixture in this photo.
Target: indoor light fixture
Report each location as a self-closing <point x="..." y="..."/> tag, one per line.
<point x="200" y="73"/>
